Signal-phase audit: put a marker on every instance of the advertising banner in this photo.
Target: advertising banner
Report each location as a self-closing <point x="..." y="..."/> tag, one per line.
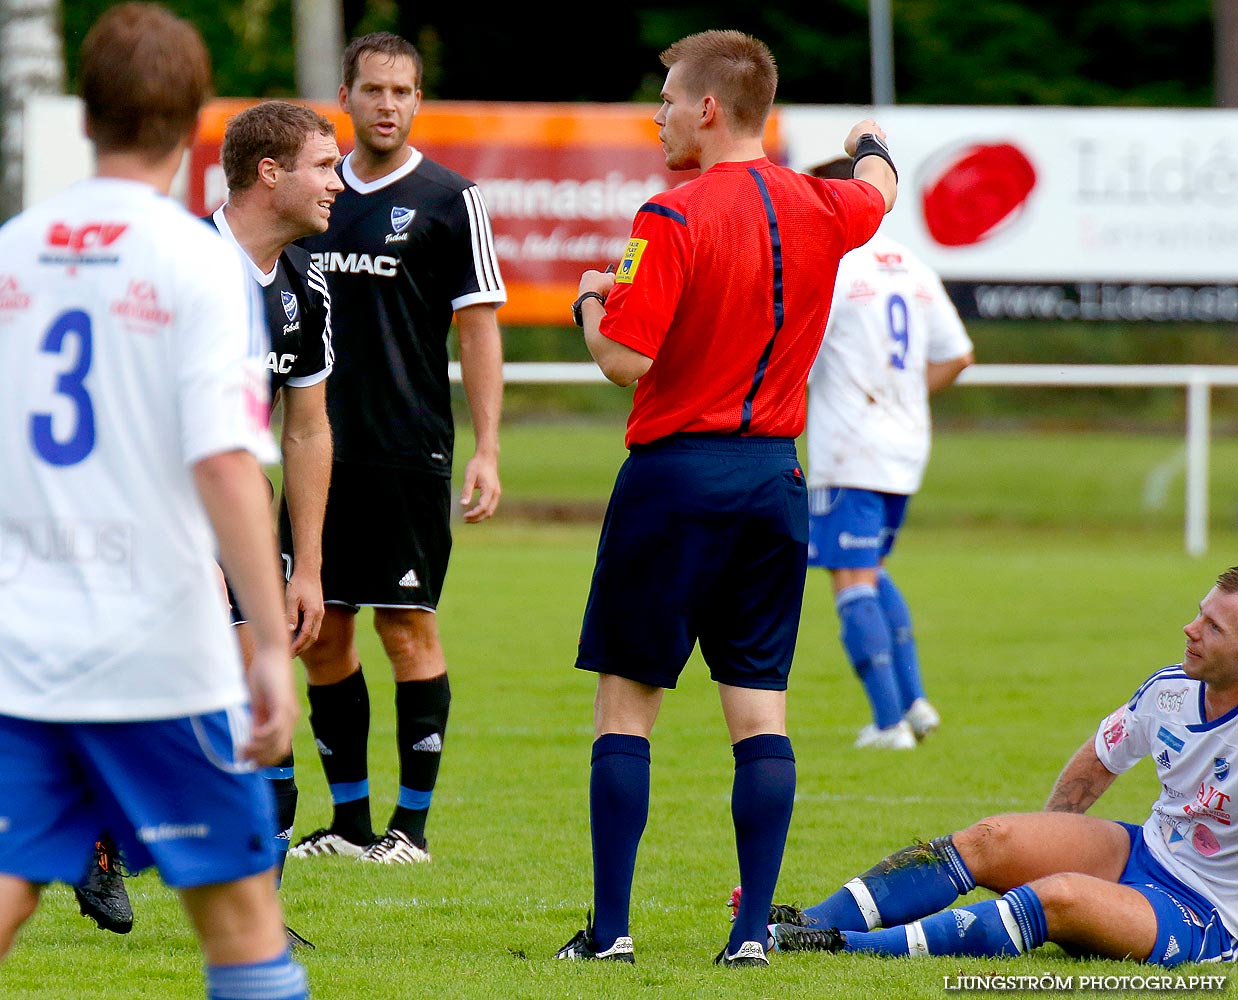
<point x="1059" y="213"/>
<point x="562" y="183"/>
<point x="1027" y="213"/>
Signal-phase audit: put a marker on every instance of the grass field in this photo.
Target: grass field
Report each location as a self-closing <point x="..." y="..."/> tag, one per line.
<point x="1044" y="590"/>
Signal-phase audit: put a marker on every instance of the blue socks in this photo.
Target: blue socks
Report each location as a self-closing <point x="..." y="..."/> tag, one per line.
<point x="870" y="647"/>
<point x="1011" y="925"/>
<point x="761" y="800"/>
<point x="618" y="811"/>
<point x="911" y="883"/>
<point x="906" y="657"/>
<point x="278" y="979"/>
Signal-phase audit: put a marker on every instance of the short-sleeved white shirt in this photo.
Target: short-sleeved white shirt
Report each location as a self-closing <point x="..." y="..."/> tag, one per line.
<point x="868" y="411"/>
<point x="131" y="347"/>
<point x="1191" y="829"/>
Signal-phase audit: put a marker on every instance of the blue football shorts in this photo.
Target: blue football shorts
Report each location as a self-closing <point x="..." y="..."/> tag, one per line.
<point x="705" y="540"/>
<point x="1188" y="927"/>
<point x="171" y="792"/>
<point x="850" y="528"/>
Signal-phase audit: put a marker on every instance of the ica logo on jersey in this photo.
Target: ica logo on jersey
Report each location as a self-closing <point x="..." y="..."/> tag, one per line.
<point x="140" y="309"/>
<point x="12" y="298"/>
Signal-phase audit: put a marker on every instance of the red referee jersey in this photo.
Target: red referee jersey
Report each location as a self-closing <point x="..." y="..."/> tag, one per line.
<point x="726" y="283"/>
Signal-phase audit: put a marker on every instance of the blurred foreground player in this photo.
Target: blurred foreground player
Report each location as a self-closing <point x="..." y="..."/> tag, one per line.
<point x="279" y="160"/>
<point x="133" y="411"/>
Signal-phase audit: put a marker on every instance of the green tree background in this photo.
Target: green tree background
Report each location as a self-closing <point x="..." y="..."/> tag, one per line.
<point x="1021" y="52"/>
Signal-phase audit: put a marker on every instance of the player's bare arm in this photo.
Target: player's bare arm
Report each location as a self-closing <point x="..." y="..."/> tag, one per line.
<point x="939" y="375"/>
<point x="306" y="444"/>
<point x="230" y="485"/>
<point x="618" y="362"/>
<point x="481" y="368"/>
<point x="1083" y="780"/>
<point x="873" y="169"/>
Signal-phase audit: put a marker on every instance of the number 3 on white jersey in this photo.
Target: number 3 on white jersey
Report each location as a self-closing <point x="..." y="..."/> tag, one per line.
<point x="71" y="327"/>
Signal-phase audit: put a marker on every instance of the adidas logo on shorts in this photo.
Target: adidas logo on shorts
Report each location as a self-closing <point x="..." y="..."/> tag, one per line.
<point x="431" y="744"/>
<point x="410" y="579"/>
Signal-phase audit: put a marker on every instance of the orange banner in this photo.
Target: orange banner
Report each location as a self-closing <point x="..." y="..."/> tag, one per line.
<point x="561" y="181"/>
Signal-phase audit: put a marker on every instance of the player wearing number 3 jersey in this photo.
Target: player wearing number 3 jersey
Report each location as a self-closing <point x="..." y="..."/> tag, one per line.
<point x="892" y="339"/>
<point x="133" y="413"/>
<point x="95" y="311"/>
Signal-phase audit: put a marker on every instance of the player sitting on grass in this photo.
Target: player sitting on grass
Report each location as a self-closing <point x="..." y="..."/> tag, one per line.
<point x="1163" y="894"/>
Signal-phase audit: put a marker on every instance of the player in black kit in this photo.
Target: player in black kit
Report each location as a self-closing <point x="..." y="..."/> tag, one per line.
<point x="410" y="246"/>
<point x="279" y="160"/>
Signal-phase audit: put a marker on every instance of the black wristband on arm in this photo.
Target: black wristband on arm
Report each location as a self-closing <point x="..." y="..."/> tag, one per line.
<point x="871" y="145"/>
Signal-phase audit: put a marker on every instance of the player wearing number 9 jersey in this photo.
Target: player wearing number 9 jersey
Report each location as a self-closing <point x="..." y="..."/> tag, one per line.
<point x="893" y="337"/>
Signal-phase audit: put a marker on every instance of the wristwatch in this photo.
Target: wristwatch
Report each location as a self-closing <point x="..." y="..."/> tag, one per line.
<point x="874" y="137"/>
<point x="576" y="316"/>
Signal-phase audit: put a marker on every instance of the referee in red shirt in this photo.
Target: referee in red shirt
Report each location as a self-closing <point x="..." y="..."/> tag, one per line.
<point x="718" y="308"/>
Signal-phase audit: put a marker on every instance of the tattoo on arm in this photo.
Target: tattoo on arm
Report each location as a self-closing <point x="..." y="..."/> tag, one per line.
<point x="1074" y="796"/>
<point x="1083" y="780"/>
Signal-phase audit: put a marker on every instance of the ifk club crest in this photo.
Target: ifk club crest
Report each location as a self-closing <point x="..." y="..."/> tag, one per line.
<point x="401" y="217"/>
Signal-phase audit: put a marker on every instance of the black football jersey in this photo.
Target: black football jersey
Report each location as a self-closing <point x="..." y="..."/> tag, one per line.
<point x="401" y="255"/>
<point x="297" y="305"/>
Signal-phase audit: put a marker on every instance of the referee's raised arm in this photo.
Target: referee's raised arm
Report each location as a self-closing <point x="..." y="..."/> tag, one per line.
<point x="866" y="145"/>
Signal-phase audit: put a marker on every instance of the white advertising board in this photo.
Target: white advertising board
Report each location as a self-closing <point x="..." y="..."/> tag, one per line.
<point x="1069" y="213"/>
<point x="56" y="150"/>
<point x="1027" y="213"/>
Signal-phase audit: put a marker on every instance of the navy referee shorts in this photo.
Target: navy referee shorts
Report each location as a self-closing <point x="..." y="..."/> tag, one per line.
<point x="705" y="540"/>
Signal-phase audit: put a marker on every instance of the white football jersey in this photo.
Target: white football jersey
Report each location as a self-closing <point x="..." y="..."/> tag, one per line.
<point x="868" y="411"/>
<point x="1191" y="830"/>
<point x="131" y="347"/>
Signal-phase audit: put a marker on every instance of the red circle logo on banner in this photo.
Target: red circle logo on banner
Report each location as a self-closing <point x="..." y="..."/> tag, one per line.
<point x="976" y="191"/>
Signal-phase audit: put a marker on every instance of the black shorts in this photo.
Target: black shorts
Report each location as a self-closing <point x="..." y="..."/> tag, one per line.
<point x="705" y="540"/>
<point x="386" y="537"/>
